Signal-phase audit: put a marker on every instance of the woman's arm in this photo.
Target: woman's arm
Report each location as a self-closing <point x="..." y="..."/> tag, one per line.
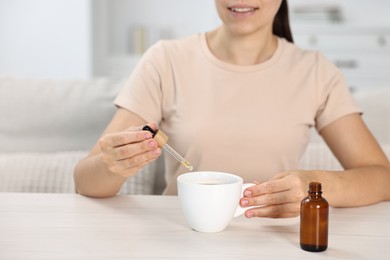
<point x="121" y="151"/>
<point x="365" y="180"/>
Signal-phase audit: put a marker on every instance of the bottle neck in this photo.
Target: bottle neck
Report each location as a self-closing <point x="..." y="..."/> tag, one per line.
<point x="315" y="190"/>
<point x="315" y="195"/>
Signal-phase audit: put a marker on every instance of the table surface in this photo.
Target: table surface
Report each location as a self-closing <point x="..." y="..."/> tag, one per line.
<point x="70" y="226"/>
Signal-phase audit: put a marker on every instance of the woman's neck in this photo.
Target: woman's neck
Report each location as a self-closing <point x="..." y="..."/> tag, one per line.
<point x="242" y="50"/>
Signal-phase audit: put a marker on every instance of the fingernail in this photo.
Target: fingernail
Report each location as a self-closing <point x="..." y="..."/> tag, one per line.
<point x="244" y="202"/>
<point x="249" y="214"/>
<point x="247" y="193"/>
<point x="148" y="135"/>
<point x="152" y="143"/>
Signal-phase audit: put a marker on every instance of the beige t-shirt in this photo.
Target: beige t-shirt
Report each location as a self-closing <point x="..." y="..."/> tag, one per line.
<point x="253" y="121"/>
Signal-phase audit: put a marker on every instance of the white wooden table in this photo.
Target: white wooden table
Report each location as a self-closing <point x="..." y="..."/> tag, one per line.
<point x="70" y="226"/>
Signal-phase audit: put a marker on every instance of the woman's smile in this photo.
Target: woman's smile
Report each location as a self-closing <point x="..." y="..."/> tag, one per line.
<point x="241" y="11"/>
<point x="244" y="17"/>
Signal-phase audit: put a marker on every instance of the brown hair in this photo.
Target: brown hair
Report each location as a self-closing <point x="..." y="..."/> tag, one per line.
<point x="281" y="25"/>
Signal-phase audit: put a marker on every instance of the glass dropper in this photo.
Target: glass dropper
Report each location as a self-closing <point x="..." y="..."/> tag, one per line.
<point x="162" y="140"/>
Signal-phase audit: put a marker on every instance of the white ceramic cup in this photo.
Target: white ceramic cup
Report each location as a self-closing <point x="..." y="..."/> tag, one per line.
<point x="209" y="200"/>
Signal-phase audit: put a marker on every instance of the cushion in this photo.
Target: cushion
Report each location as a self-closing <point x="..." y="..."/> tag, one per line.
<point x="319" y="157"/>
<point x="47" y="126"/>
<point x="53" y="173"/>
<point x="375" y="104"/>
<point x="38" y="172"/>
<point x="52" y="115"/>
<point x="376" y="110"/>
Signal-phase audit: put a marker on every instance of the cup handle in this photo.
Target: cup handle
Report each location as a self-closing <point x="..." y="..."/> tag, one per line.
<point x="240" y="210"/>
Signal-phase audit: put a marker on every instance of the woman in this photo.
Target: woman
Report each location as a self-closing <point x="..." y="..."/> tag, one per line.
<point x="242" y="99"/>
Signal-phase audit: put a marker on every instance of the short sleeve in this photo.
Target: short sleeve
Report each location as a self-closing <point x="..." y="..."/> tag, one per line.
<point x="141" y="93"/>
<point x="334" y="99"/>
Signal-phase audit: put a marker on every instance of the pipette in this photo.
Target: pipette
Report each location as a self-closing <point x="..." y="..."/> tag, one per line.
<point x="162" y="139"/>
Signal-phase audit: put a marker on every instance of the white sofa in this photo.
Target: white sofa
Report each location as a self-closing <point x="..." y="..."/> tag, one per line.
<point x="46" y="126"/>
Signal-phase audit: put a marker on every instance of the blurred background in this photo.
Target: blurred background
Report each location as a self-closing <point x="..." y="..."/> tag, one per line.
<point x="62" y="63"/>
<point x="84" y="39"/>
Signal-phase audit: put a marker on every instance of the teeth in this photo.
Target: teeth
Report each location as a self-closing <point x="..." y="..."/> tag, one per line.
<point x="242" y="10"/>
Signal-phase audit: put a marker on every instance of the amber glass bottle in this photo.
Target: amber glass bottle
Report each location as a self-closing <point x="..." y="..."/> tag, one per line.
<point x="314" y="220"/>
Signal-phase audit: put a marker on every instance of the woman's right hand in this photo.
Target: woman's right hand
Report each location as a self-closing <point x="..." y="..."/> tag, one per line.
<point x="124" y="153"/>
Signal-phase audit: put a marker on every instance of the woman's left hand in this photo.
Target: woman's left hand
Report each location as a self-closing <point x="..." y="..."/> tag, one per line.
<point x="278" y="198"/>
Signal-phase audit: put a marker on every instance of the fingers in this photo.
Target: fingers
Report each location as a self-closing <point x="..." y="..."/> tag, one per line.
<point x="287" y="196"/>
<point x="279" y="197"/>
<point x="126" y="152"/>
<point x="129" y="166"/>
<point x="287" y="210"/>
<point x="130" y="150"/>
<point x="123" y="138"/>
<point x="272" y="186"/>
